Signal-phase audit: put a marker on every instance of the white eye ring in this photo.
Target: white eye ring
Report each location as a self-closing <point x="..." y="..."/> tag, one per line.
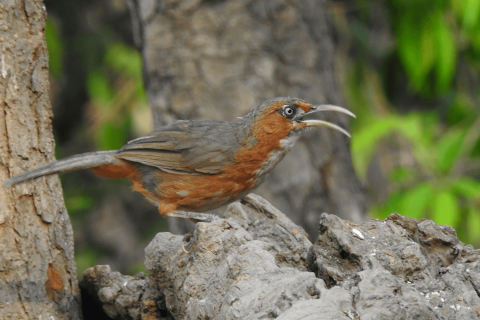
<point x="288" y="111"/>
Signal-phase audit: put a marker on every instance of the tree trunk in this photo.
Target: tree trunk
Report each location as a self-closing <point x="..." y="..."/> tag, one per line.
<point x="218" y="59"/>
<point x="37" y="268"/>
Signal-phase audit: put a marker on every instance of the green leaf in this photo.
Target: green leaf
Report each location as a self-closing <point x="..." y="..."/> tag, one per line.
<point x="84" y="259"/>
<point x="415" y="201"/>
<point x="446" y="208"/>
<point x="475" y="40"/>
<point x="55" y="48"/>
<point x="448" y="149"/>
<point x="75" y="203"/>
<point x="408" y="38"/>
<point x="427" y="51"/>
<point x="473" y="226"/>
<point x="136" y="268"/>
<point x="467" y="187"/>
<point x="393" y="204"/>
<point x="124" y="59"/>
<point x="99" y="88"/>
<point x="471" y="13"/>
<point x="412" y="128"/>
<point x="140" y="91"/>
<point x="401" y="174"/>
<point x="415" y="129"/>
<point x="112" y="136"/>
<point x="445" y="47"/>
<point x="462" y="109"/>
<point x="365" y="141"/>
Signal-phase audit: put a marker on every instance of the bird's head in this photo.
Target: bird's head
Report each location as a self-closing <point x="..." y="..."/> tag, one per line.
<point x="284" y="116"/>
<point x="271" y="129"/>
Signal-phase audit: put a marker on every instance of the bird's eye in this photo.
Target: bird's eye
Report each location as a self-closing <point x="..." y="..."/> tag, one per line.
<point x="288" y="111"/>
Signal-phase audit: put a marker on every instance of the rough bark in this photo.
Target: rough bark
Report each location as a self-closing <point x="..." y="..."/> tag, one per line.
<point x="123" y="297"/>
<point x="218" y="59"/>
<point x="37" y="269"/>
<point x="253" y="265"/>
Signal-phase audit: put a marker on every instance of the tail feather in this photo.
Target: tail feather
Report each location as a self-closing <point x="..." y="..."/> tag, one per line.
<point x="76" y="162"/>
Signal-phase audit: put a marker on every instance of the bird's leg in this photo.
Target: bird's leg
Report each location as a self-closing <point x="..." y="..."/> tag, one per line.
<point x="193" y="216"/>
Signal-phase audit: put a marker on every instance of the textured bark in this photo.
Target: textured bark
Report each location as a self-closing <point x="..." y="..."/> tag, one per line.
<point x="123" y="297"/>
<point x="218" y="59"/>
<point x="37" y="269"/>
<point x="253" y="265"/>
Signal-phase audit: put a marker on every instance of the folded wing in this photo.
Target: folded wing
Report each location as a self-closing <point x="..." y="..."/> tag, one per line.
<point x="190" y="147"/>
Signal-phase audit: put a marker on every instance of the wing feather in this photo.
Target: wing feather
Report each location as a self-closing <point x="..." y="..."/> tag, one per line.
<point x="191" y="147"/>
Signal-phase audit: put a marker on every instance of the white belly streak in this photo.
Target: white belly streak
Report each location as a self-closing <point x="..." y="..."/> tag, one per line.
<point x="276" y="156"/>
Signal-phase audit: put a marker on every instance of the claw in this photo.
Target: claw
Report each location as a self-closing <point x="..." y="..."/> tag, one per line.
<point x="194" y="216"/>
<point x="184" y="250"/>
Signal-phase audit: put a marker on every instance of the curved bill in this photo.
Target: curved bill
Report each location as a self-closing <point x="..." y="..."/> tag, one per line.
<point x="330" y="107"/>
<point x="320" y="123"/>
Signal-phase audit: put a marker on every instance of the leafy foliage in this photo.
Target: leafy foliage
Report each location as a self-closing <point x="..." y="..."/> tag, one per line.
<point x="55" y="48"/>
<point x="430" y="157"/>
<point x="117" y="93"/>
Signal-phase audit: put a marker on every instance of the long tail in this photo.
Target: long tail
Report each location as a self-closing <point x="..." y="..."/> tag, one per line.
<point x="76" y="162"/>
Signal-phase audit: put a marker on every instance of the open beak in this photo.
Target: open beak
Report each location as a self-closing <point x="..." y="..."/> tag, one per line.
<point x="320" y="123"/>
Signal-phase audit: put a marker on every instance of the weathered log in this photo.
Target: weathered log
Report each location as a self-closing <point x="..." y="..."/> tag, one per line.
<point x="400" y="268"/>
<point x="123" y="297"/>
<point x="257" y="264"/>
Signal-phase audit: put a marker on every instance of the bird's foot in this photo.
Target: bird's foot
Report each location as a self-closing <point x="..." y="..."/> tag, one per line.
<point x="194" y="216"/>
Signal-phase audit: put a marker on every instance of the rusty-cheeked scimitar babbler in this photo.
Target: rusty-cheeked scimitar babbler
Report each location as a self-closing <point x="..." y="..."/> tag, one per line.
<point x="192" y="166"/>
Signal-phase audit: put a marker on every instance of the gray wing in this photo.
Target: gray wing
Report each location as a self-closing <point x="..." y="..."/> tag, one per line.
<point x="191" y="147"/>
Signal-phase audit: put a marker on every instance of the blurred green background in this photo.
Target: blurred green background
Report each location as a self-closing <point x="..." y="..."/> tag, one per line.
<point x="410" y="72"/>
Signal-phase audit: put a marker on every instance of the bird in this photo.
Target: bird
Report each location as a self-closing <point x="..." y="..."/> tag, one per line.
<point x="189" y="167"/>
